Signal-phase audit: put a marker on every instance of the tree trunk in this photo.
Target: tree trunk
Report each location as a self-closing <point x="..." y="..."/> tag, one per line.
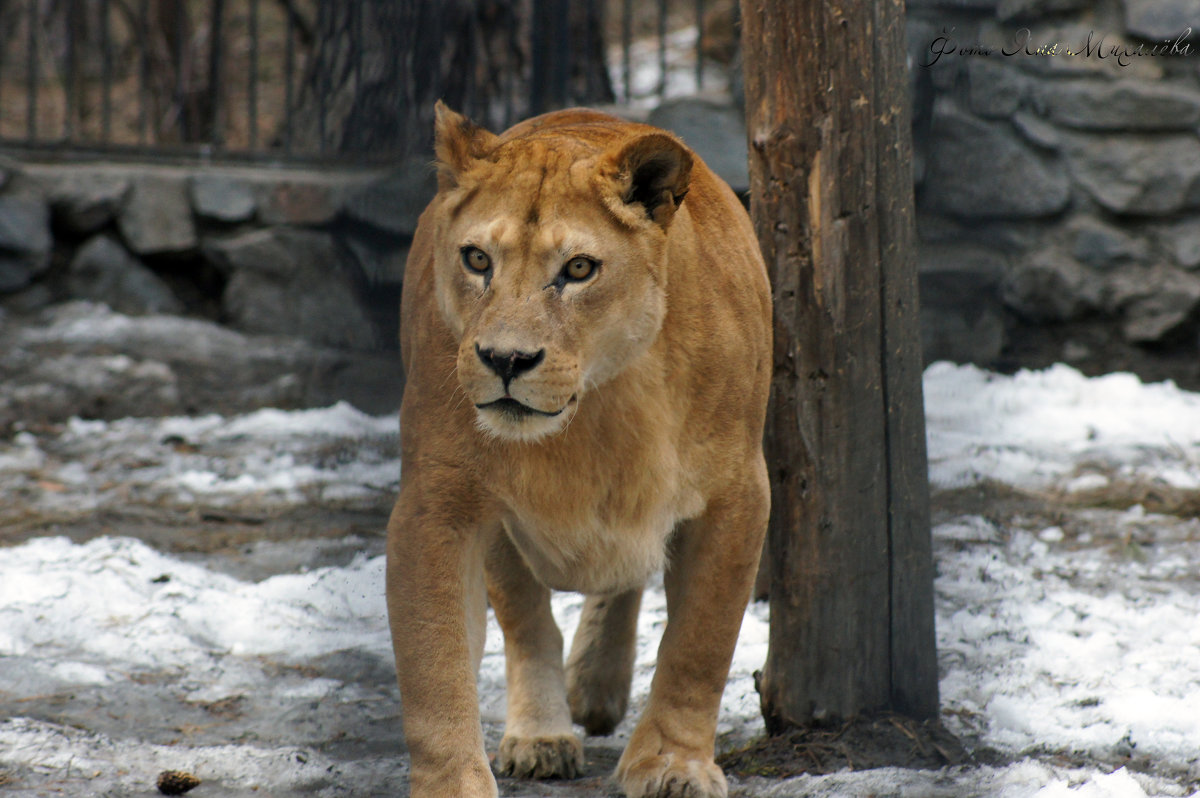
<point x="851" y="576"/>
<point x="379" y="65"/>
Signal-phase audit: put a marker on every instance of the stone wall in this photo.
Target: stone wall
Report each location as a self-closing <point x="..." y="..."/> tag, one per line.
<point x="288" y="279"/>
<point x="1058" y="181"/>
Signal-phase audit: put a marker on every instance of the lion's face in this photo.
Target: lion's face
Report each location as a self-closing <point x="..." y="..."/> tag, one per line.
<point x="550" y="269"/>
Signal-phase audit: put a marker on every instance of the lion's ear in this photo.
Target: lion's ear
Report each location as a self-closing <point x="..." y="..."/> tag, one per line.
<point x="457" y="142"/>
<point x="651" y="171"/>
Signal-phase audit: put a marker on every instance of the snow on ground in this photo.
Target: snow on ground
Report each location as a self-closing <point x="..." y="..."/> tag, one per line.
<point x="1071" y="648"/>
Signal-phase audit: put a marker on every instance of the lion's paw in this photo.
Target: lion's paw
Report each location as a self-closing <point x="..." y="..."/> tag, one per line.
<point x="597" y="711"/>
<point x="672" y="776"/>
<point x="549" y="757"/>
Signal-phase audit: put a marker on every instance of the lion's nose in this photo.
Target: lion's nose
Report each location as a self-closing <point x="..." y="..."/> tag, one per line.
<point x="509" y="365"/>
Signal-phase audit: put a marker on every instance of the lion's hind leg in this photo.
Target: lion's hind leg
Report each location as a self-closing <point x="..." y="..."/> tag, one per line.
<point x="600" y="668"/>
<point x="538" y="741"/>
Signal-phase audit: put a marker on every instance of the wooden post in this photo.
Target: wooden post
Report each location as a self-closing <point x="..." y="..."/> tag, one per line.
<point x="851" y="575"/>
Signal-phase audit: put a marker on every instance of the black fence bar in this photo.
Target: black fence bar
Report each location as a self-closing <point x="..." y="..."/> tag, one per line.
<point x="252" y="81"/>
<point x="322" y="81"/>
<point x="560" y="39"/>
<point x="143" y="25"/>
<point x="106" y="75"/>
<point x="70" y="98"/>
<point x="31" y="73"/>
<point x="181" y="46"/>
<point x="356" y="10"/>
<point x="289" y="79"/>
<point x="215" y="78"/>
<point x="662" y="48"/>
<point x="699" y="45"/>
<point x="627" y="48"/>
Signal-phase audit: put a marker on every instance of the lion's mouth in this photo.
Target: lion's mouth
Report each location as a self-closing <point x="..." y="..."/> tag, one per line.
<point x="515" y="411"/>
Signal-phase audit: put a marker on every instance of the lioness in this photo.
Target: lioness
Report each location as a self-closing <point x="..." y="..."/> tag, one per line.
<point x="587" y="337"/>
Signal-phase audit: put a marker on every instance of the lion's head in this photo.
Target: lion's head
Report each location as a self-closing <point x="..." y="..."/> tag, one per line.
<point x="550" y="263"/>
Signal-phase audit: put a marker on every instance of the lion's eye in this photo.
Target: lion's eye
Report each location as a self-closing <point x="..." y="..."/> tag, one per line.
<point x="579" y="269"/>
<point x="476" y="260"/>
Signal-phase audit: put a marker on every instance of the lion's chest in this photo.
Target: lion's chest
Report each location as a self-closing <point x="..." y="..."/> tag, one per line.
<point x="594" y="526"/>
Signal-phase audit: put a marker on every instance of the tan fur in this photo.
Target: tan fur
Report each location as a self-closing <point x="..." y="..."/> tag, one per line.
<point x="649" y="379"/>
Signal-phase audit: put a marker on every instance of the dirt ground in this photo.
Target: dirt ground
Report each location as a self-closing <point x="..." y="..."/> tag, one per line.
<point x="256" y="545"/>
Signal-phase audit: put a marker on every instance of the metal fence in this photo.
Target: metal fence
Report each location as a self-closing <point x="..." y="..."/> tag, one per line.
<point x="252" y="78"/>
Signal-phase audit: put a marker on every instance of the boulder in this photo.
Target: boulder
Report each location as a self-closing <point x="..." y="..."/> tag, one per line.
<point x="1103" y="246"/>
<point x="15" y="273"/>
<point x="1124" y="105"/>
<point x="156" y="217"/>
<point x="1049" y="286"/>
<point x="61" y="364"/>
<point x="1145" y="174"/>
<point x="983" y="171"/>
<point x="25" y="240"/>
<point x="1155" y="304"/>
<point x="90" y="386"/>
<point x="306" y="199"/>
<point x="394" y="202"/>
<point x="25" y="224"/>
<point x="84" y="201"/>
<point x="1159" y="20"/>
<point x="104" y="271"/>
<point x="965" y="5"/>
<point x="1182" y="240"/>
<point x="285" y="281"/>
<point x="1036" y="9"/>
<point x="997" y="89"/>
<point x="222" y="197"/>
<point x="1036" y="130"/>
<point x="961" y="316"/>
<point x="716" y="131"/>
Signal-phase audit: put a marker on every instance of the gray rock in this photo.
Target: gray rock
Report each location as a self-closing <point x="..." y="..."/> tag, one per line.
<point x="380" y="263"/>
<point x="223" y="198"/>
<point x="307" y="199"/>
<point x="15" y="273"/>
<point x="1036" y="130"/>
<point x="1036" y="9"/>
<point x="1138" y="175"/>
<point x="25" y="240"/>
<point x="25" y="224"/>
<point x="1049" y="286"/>
<point x="258" y="250"/>
<point x="85" y="201"/>
<point x="997" y="88"/>
<point x="717" y="132"/>
<point x="961" y="316"/>
<point x="91" y="386"/>
<point x="1121" y="105"/>
<point x="104" y="271"/>
<point x="1161" y="19"/>
<point x="156" y="216"/>
<point x="1103" y="246"/>
<point x="980" y="170"/>
<point x="394" y="202"/>
<point x="178" y="365"/>
<point x="1164" y="303"/>
<point x="969" y="5"/>
<point x="1182" y="240"/>
<point x="293" y="282"/>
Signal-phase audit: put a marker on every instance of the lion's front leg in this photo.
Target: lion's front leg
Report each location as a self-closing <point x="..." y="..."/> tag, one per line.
<point x="538" y="739"/>
<point x="436" y="609"/>
<point x="708" y="581"/>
